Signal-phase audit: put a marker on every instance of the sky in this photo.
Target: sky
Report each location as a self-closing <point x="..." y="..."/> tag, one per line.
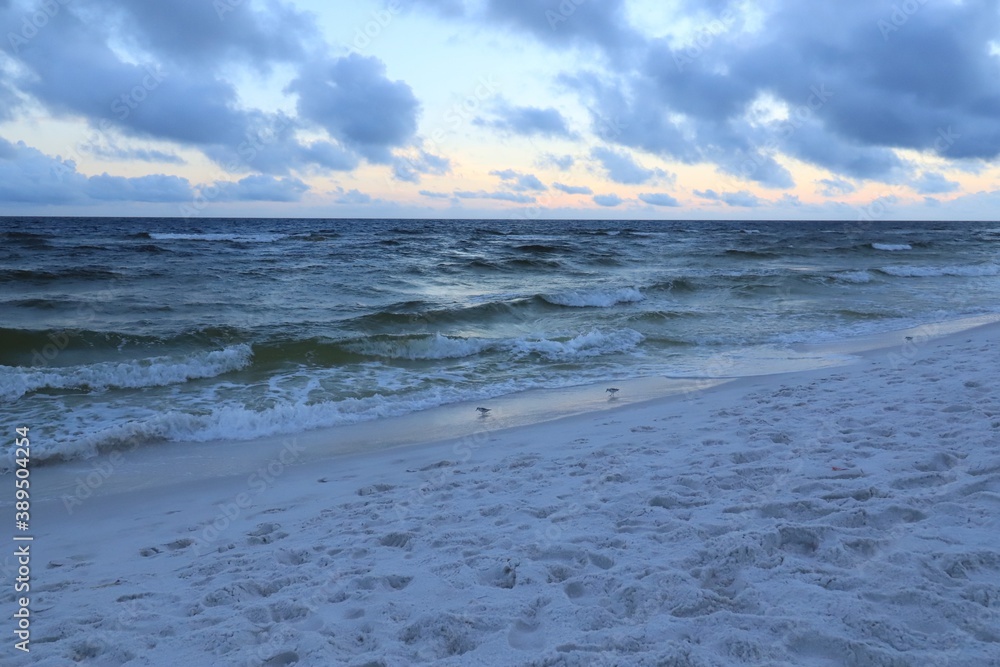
<point x="610" y="109"/>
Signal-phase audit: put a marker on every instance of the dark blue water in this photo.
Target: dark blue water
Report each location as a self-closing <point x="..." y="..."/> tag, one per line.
<point x="124" y="331"/>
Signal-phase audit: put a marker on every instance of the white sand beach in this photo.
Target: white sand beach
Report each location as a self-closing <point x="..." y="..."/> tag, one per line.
<point x="843" y="516"/>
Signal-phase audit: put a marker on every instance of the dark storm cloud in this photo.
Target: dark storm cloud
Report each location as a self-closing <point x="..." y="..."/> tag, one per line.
<point x="179" y="90"/>
<point x="530" y="121"/>
<point x="859" y="78"/>
<point x="353" y="100"/>
<point x="28" y="175"/>
<point x="569" y="22"/>
<point x="198" y="31"/>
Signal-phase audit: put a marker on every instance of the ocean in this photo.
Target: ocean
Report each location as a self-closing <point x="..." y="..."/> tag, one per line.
<point x="152" y="331"/>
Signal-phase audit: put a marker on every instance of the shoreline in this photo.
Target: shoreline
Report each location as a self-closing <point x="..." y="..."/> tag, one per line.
<point x="845" y="515"/>
<point x="148" y="466"/>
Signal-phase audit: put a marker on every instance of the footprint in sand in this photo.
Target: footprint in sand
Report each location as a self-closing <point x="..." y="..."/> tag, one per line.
<point x="265" y="534"/>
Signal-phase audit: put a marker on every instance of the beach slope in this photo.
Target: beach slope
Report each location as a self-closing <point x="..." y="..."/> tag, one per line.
<point x="844" y="516"/>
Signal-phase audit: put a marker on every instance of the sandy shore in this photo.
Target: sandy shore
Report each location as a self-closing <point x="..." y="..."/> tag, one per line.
<point x="844" y="516"/>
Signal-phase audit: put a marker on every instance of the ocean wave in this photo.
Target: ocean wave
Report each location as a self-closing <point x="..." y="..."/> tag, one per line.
<point x="541" y="248"/>
<point x="17" y="381"/>
<point x="892" y="247"/>
<point x="437" y="346"/>
<point x="238" y="422"/>
<point x="422" y="347"/>
<point x="514" y="264"/>
<point x="854" y="277"/>
<point x="232" y="237"/>
<point x="595" y="343"/>
<point x="594" y="298"/>
<point x="41" y="275"/>
<point x="968" y="270"/>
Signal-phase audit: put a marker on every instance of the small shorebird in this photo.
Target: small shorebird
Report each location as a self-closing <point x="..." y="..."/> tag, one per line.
<point x="612" y="391"/>
<point x="483" y="411"/>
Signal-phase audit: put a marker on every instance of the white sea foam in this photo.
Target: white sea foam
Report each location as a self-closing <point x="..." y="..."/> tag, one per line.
<point x="891" y="247"/>
<point x="967" y="270"/>
<point x="16" y="381"/>
<point x="238" y="422"/>
<point x="595" y="298"/>
<point x="592" y="344"/>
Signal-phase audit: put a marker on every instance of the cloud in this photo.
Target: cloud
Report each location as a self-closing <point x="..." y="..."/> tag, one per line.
<point x="260" y="187"/>
<point x="435" y="195"/>
<point x="835" y="187"/>
<point x="353" y="100"/>
<point x="195" y="31"/>
<point x="849" y="92"/>
<point x="573" y="189"/>
<point x="621" y="168"/>
<point x="659" y="199"/>
<point x="560" y="162"/>
<point x="29" y="176"/>
<point x="113" y="152"/>
<point x="932" y="183"/>
<point x="530" y="121"/>
<point x="500" y="195"/>
<point x="517" y="181"/>
<point x="446" y="8"/>
<point x="410" y="167"/>
<point x="608" y="200"/>
<point x="153" y="188"/>
<point x="584" y="23"/>
<point x="165" y="71"/>
<point x="353" y="196"/>
<point x="741" y="198"/>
